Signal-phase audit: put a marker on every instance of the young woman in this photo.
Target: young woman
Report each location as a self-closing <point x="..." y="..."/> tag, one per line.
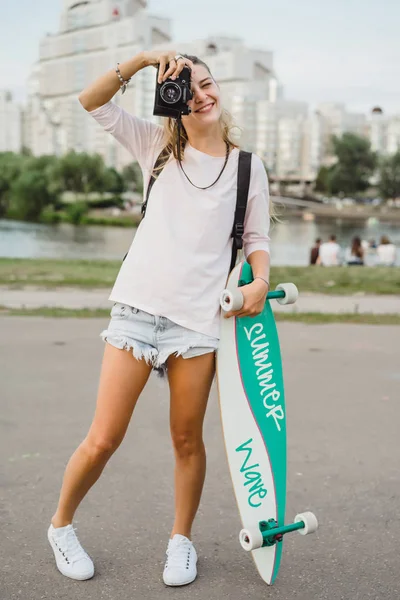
<point x="356" y="255"/>
<point x="166" y="296"/>
<point x="386" y="252"/>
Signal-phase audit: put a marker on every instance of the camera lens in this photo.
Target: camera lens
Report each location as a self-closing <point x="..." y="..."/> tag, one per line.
<point x="170" y="92"/>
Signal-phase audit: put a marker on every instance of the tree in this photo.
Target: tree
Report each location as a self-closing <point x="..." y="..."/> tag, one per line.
<point x="48" y="165"/>
<point x="323" y="180"/>
<point x="81" y="172"/>
<point x="76" y="212"/>
<point x="113" y="181"/>
<point x="29" y="195"/>
<point x="133" y="178"/>
<point x="355" y="165"/>
<point x="389" y="185"/>
<point x="11" y="166"/>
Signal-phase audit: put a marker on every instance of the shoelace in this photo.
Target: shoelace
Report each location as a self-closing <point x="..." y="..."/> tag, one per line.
<point x="178" y="554"/>
<point x="73" y="550"/>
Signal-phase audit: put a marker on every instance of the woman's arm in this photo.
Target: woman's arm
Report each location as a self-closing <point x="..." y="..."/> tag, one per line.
<point x="255" y="293"/>
<point x="259" y="262"/>
<point x="256" y="244"/>
<point x="106" y="86"/>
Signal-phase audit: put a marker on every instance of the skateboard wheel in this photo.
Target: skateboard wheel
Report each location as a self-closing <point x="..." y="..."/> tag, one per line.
<point x="291" y="293"/>
<point x="310" y="522"/>
<point x="251" y="538"/>
<point x="231" y="300"/>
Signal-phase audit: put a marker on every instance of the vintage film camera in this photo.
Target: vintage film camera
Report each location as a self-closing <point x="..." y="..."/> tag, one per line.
<point x="172" y="96"/>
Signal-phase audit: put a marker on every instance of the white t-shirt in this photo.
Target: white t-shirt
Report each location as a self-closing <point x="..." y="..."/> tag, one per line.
<point x="329" y="254"/>
<point x="178" y="262"/>
<point x="386" y="254"/>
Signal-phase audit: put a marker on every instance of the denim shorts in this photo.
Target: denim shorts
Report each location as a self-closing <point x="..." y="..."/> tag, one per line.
<point x="154" y="338"/>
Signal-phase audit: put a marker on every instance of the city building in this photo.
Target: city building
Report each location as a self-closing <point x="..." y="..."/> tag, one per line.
<point x="377" y="131"/>
<point x="384" y="132"/>
<point x="393" y="135"/>
<point x="94" y="35"/>
<point x="335" y="121"/>
<point x="280" y="137"/>
<point x="10" y="123"/>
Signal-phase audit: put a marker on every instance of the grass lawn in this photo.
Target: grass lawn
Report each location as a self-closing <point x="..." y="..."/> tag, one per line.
<point x="101" y="274"/>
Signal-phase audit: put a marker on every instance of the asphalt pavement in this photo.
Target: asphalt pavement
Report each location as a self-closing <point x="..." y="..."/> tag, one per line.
<point x="342" y="387"/>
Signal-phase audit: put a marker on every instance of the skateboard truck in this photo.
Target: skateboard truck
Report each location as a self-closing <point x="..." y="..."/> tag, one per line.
<point x="267" y="533"/>
<point x="284" y="293"/>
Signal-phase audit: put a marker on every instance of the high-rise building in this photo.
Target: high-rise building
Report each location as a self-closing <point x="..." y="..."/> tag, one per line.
<point x="94" y="35"/>
<point x="393" y="135"/>
<point x="335" y="121"/>
<point x="10" y="123"/>
<point x="377" y="130"/>
<point x="279" y="138"/>
<point x="384" y="132"/>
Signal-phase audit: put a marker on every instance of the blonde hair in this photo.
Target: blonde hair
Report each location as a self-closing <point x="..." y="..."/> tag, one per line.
<point x="170" y="141"/>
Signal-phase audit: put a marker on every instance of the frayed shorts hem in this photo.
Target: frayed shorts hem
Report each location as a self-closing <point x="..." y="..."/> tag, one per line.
<point x="154" y="339"/>
<point x="144" y="352"/>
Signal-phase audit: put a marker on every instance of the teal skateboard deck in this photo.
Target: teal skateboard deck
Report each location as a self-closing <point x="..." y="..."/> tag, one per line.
<point x="253" y="414"/>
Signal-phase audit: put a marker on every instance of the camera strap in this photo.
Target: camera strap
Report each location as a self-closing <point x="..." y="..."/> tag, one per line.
<point x="243" y="184"/>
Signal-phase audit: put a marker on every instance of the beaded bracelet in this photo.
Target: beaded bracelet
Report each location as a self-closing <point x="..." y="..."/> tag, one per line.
<point x="124" y="82"/>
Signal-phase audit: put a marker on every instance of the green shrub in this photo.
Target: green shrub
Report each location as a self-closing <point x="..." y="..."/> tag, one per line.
<point x="76" y="212"/>
<point x="49" y="216"/>
<point x="107" y="202"/>
<point x="29" y="195"/>
<point x="131" y="221"/>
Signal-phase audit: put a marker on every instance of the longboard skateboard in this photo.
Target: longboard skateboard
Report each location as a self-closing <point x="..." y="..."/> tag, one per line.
<point x="253" y="414"/>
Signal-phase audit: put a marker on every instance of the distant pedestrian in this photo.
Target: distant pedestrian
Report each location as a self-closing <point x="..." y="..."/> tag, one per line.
<point x="356" y="255"/>
<point x="329" y="253"/>
<point x="315" y="252"/>
<point x="386" y="252"/>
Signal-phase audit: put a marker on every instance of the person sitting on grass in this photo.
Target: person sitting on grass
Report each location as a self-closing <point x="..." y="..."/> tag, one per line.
<point x="386" y="252"/>
<point x="329" y="253"/>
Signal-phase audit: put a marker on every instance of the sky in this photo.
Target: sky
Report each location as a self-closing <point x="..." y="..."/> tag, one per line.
<point x="324" y="51"/>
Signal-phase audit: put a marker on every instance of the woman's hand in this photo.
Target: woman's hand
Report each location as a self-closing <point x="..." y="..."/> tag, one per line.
<point x="164" y="58"/>
<point x="254" y="296"/>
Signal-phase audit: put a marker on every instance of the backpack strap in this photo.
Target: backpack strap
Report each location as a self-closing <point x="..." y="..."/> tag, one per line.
<point x="243" y="184"/>
<point x="154" y="175"/>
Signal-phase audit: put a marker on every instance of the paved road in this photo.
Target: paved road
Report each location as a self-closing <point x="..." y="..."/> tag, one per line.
<point x="79" y="298"/>
<point x="344" y="455"/>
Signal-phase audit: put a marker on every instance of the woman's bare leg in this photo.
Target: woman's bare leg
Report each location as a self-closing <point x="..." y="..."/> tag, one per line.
<point x="190" y="382"/>
<point x="122" y="380"/>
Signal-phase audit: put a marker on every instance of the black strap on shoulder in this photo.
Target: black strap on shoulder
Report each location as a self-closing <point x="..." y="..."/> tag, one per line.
<point x="154" y="175"/>
<point x="162" y="157"/>
<point x="243" y="184"/>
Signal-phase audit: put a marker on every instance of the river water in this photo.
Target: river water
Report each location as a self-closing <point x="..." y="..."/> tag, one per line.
<point x="291" y="240"/>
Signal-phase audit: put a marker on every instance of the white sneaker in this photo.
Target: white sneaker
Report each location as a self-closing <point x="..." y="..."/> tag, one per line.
<point x="180" y="567"/>
<point x="72" y="561"/>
